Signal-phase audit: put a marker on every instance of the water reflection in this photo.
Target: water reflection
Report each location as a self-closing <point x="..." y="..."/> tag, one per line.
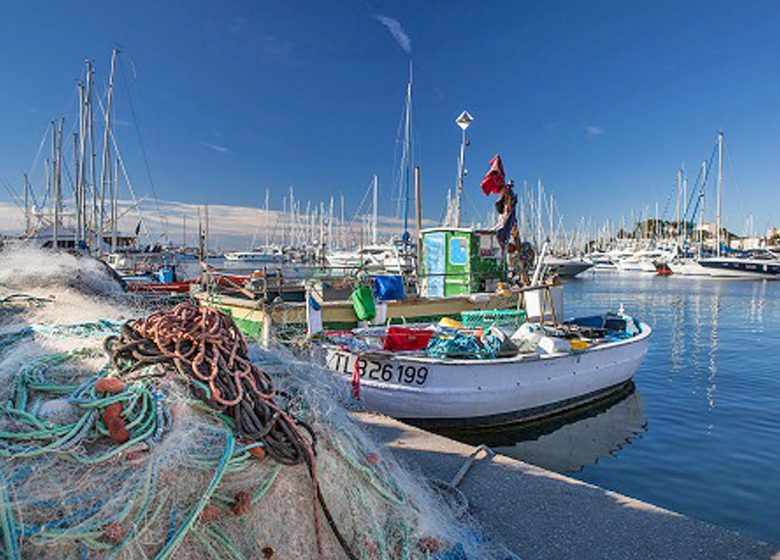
<point x="569" y="442"/>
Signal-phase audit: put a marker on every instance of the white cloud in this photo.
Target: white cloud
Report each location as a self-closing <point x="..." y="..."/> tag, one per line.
<point x="215" y="147"/>
<point x="397" y="31"/>
<point x="230" y="226"/>
<point x="592" y="131"/>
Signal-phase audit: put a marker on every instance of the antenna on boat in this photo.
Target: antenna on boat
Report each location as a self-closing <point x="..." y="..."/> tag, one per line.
<point x="464" y="120"/>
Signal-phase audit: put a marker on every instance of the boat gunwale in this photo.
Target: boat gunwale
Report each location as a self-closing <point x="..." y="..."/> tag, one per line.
<point x="644" y="332"/>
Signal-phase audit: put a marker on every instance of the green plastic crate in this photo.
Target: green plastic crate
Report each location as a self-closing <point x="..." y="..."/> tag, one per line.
<point x="497" y="317"/>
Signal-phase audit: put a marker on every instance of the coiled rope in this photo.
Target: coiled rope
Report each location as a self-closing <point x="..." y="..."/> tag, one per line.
<point x="204" y="345"/>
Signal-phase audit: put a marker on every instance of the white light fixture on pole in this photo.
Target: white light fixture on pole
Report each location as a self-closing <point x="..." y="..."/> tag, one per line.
<point x="463" y="121"/>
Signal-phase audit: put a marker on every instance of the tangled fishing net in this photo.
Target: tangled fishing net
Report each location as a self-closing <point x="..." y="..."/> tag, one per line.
<point x="168" y="437"/>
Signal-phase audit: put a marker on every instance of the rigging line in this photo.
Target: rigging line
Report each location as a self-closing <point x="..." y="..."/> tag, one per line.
<point x="398" y="161"/>
<point x="13" y="194"/>
<point x="257" y="229"/>
<point x="470" y="201"/>
<point x="130" y="185"/>
<point x="141" y="142"/>
<point x="736" y="183"/>
<point x="35" y="160"/>
<point x="360" y="207"/>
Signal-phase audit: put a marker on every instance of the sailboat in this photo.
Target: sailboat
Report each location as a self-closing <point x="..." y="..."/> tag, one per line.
<point x="735" y="266"/>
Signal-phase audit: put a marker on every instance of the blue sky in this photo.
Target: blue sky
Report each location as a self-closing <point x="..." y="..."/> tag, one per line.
<point x="601" y="100"/>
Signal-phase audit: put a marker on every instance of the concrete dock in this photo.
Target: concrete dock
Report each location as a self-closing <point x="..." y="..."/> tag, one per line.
<point x="539" y="514"/>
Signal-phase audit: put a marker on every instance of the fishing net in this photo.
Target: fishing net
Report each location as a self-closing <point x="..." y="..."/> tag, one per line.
<point x="142" y="451"/>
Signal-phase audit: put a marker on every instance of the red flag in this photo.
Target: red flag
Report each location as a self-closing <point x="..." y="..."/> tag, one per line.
<point x="494" y="180"/>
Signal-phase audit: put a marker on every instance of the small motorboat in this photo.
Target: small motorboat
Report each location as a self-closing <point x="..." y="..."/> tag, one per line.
<point x="488" y="377"/>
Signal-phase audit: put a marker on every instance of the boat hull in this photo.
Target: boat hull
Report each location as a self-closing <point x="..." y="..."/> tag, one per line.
<point x="567" y="268"/>
<point x="741" y="268"/>
<point x="505" y="390"/>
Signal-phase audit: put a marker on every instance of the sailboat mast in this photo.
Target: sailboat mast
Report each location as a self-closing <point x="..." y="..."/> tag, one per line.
<point x="76" y="191"/>
<point x="720" y="189"/>
<point x="677" y="207"/>
<point x="106" y="174"/>
<point x="539" y="233"/>
<point x="53" y="185"/>
<point x="375" y="212"/>
<point x="114" y="203"/>
<point x="701" y="204"/>
<point x="26" y="205"/>
<point x="267" y="218"/>
<point x="685" y="210"/>
<point x="90" y="115"/>
<point x="407" y="155"/>
<point x="81" y="168"/>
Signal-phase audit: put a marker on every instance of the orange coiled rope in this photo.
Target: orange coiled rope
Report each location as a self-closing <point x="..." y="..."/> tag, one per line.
<point x="205" y="346"/>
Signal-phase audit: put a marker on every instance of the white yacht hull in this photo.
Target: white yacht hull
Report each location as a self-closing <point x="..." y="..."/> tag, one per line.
<point x="567" y="268"/>
<point x="687" y="268"/>
<point x="730" y="267"/>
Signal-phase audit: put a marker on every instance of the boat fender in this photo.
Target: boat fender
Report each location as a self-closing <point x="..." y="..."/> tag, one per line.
<point x="527" y="337"/>
<point x="554" y="345"/>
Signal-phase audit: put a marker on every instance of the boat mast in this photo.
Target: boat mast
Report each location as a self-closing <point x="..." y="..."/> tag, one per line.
<point x="702" y="200"/>
<point x="76" y="192"/>
<point x="267" y="219"/>
<point x="342" y="228"/>
<point x="684" y="208"/>
<point x="406" y="158"/>
<point x="26" y="205"/>
<point x="80" y="167"/>
<point x="293" y="237"/>
<point x="53" y="186"/>
<point x="105" y="171"/>
<point x="552" y="223"/>
<point x="539" y="215"/>
<point x="114" y="204"/>
<point x="207" y="238"/>
<point x="90" y="116"/>
<point x="720" y="188"/>
<point x="375" y="212"/>
<point x="677" y="207"/>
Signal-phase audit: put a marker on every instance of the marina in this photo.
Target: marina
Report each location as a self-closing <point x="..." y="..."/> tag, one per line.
<point x="251" y="309"/>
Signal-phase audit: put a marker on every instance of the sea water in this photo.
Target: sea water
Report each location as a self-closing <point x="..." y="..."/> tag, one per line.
<point x="700" y="433"/>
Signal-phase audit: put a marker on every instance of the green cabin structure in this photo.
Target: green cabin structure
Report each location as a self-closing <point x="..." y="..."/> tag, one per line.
<point x="457" y="261"/>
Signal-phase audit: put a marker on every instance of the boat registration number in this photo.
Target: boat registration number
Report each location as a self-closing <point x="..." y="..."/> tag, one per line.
<point x="346" y="364"/>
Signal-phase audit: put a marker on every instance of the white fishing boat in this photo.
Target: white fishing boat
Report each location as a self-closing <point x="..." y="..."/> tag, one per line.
<point x="538" y="380"/>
